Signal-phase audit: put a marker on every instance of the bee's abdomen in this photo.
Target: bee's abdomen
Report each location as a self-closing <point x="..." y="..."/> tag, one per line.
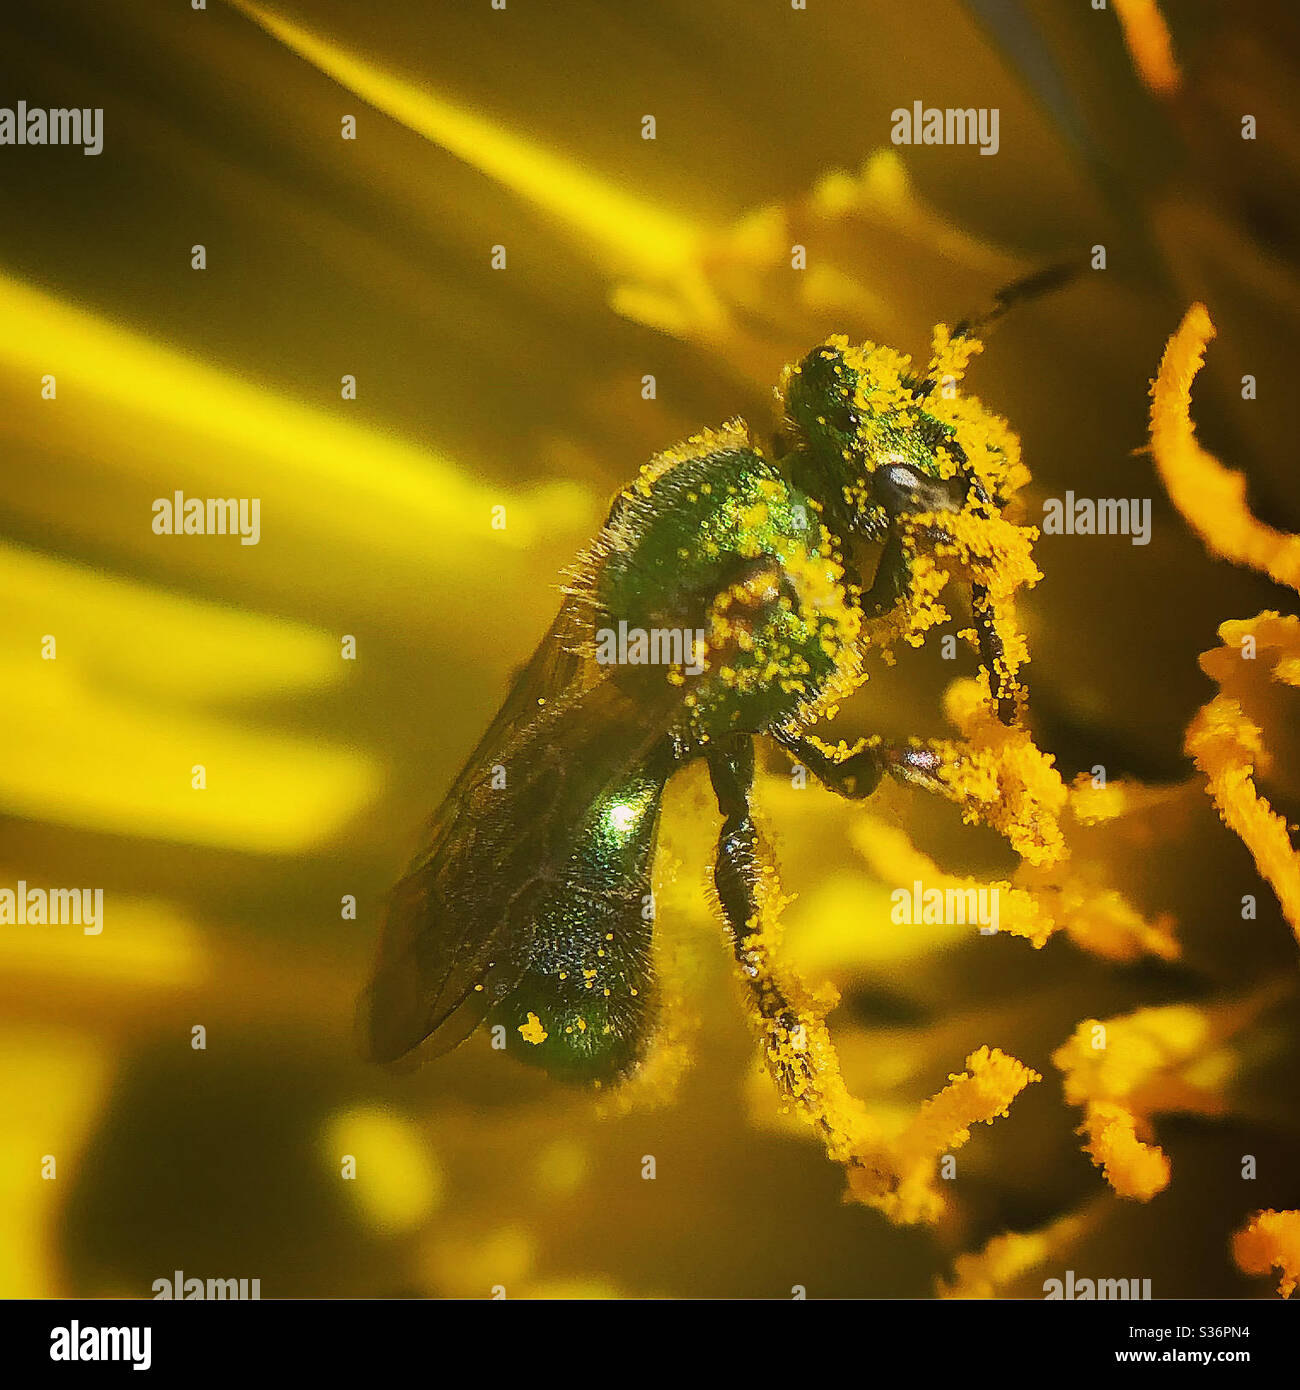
<point x="584" y="1008"/>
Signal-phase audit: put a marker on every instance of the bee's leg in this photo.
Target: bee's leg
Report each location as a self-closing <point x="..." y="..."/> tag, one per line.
<point x="858" y="775"/>
<point x="743" y="880"/>
<point x="796" y="1047"/>
<point x="853" y="777"/>
<point x="893" y="581"/>
<point x="738" y="867"/>
<point x="905" y="494"/>
<point x="993" y="654"/>
<point x="742" y="877"/>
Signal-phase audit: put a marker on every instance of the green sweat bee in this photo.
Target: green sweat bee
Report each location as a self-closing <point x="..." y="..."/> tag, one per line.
<point x="527" y="905"/>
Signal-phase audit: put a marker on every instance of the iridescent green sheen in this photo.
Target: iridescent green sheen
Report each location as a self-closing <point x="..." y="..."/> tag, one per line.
<point x="701" y="526"/>
<point x="589" y="983"/>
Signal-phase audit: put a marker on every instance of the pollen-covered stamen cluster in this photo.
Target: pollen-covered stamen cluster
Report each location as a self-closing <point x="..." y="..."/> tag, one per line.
<point x="1001" y="778"/>
<point x="892" y="1169"/>
<point x="1270" y="1241"/>
<point x="1128" y="1069"/>
<point x="1082" y="894"/>
<point x="985" y="550"/>
<point x="1226" y="744"/>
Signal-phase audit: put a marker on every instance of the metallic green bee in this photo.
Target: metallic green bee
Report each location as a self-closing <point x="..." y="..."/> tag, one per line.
<point x="726" y="579"/>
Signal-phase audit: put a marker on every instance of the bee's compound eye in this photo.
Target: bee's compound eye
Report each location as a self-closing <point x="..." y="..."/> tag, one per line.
<point x="897" y="487"/>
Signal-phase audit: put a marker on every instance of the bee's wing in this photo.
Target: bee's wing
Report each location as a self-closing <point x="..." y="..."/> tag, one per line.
<point x="461" y="921"/>
<point x="548" y="673"/>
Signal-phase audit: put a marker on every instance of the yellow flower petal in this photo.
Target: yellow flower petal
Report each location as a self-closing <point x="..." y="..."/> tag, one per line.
<point x="1149" y="44"/>
<point x="1211" y="498"/>
<point x="636" y="235"/>
<point x="1004" y="1259"/>
<point x="1133" y="1168"/>
<point x="1228" y="746"/>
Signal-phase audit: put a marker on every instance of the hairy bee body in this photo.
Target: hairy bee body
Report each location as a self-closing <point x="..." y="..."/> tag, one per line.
<point x="721" y="601"/>
<point x="711" y="541"/>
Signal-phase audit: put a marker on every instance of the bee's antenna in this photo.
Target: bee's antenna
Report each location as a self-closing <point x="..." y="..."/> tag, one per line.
<point x="1041" y="282"/>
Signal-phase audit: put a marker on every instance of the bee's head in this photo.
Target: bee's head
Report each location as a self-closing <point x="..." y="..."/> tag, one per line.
<point x="860" y="417"/>
<point x="820" y="398"/>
